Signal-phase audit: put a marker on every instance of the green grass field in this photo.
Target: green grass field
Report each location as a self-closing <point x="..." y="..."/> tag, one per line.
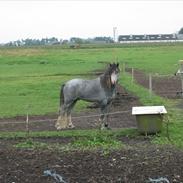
<point x="32" y="76"/>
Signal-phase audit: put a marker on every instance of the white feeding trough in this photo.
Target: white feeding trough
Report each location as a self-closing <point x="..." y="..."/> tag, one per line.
<point x="149" y="118"/>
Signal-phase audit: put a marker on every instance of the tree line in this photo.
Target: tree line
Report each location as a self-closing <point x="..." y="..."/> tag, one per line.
<point x="56" y="41"/>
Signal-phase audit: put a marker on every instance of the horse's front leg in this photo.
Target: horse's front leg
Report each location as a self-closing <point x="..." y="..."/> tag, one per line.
<point x="105" y="116"/>
<point x="70" y="107"/>
<point x="70" y="124"/>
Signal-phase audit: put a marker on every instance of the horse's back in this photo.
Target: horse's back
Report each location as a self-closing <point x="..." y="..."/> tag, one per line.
<point x="82" y="83"/>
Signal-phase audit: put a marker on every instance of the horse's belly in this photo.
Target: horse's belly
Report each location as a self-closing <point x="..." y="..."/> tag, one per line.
<point x="85" y="90"/>
<point x="91" y="95"/>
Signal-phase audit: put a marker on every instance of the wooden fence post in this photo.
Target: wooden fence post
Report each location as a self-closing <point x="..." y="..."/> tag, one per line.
<point x="150" y="85"/>
<point x="27" y="121"/>
<point x="124" y="68"/>
<point x="182" y="86"/>
<point x="132" y="75"/>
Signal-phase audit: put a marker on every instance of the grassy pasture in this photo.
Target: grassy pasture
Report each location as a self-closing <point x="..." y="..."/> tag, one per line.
<point x="33" y="75"/>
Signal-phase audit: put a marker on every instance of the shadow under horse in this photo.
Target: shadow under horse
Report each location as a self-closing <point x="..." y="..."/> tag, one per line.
<point x="101" y="90"/>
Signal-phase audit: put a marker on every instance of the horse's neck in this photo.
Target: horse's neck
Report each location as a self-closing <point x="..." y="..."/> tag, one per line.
<point x="105" y="81"/>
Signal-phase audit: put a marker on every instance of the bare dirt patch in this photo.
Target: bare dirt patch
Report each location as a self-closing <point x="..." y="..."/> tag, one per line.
<point x="135" y="165"/>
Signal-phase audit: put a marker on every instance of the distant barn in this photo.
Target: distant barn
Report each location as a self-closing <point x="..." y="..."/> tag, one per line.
<point x="148" y="38"/>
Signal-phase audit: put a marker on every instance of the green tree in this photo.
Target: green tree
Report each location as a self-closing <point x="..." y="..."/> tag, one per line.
<point x="76" y="40"/>
<point x="181" y="31"/>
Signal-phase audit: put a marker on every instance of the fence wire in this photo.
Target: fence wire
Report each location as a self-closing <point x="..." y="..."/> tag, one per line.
<point x="52" y="120"/>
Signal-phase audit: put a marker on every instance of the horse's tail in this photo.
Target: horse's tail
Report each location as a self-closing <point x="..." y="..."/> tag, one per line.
<point x="60" y="121"/>
<point x="62" y="95"/>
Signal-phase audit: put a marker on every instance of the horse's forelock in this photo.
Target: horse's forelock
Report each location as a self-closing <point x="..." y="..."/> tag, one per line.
<point x="111" y="68"/>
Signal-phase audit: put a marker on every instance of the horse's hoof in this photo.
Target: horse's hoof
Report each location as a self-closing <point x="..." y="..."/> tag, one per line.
<point x="58" y="127"/>
<point x="105" y="127"/>
<point x="71" y="126"/>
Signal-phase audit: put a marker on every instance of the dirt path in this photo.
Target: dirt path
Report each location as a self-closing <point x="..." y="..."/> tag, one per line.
<point x="165" y="86"/>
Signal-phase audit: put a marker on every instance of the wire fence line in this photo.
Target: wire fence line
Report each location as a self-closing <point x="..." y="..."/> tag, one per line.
<point x="154" y="75"/>
<point x="143" y="74"/>
<point x="74" y="117"/>
<point x="167" y="92"/>
<point x="151" y="80"/>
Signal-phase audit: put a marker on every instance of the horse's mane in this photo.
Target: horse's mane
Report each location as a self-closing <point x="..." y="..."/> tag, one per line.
<point x="105" y="79"/>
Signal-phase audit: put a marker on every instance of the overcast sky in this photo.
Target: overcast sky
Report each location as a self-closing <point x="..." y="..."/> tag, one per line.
<point x="65" y="19"/>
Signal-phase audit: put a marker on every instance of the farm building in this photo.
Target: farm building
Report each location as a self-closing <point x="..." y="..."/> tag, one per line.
<point x="149" y="38"/>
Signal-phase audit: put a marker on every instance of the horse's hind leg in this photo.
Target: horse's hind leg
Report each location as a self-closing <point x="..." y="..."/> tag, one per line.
<point x="62" y="118"/>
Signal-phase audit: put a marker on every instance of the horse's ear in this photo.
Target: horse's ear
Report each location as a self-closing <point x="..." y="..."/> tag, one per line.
<point x="117" y="64"/>
<point x="110" y="65"/>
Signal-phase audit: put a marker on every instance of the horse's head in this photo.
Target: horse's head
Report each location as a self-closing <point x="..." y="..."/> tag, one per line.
<point x="110" y="76"/>
<point x="114" y="72"/>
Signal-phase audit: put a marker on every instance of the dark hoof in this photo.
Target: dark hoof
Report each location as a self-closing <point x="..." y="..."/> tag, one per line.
<point x="105" y="127"/>
<point x="71" y="126"/>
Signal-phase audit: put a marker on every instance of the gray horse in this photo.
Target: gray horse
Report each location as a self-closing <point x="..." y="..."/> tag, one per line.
<point x="100" y="90"/>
